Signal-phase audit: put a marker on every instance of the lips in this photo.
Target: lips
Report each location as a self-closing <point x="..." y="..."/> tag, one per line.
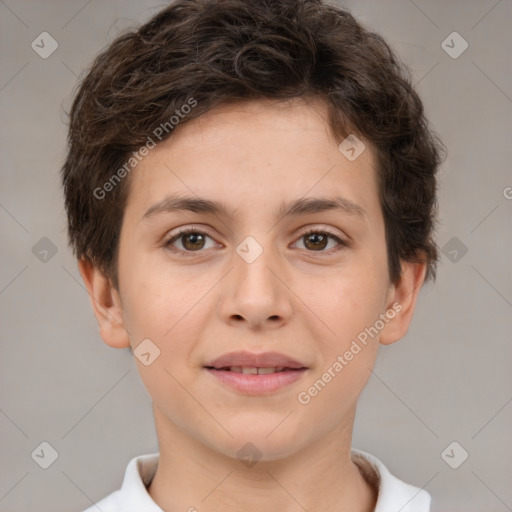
<point x="256" y="374"/>
<point x="241" y="361"/>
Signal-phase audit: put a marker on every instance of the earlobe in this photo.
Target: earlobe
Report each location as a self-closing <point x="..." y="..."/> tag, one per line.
<point x="106" y="305"/>
<point x="402" y="301"/>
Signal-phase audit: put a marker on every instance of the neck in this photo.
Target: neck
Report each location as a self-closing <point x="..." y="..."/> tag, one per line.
<point x="321" y="477"/>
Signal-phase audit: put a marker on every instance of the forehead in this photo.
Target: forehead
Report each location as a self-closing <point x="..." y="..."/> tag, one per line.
<point x="260" y="150"/>
<point x="292" y="115"/>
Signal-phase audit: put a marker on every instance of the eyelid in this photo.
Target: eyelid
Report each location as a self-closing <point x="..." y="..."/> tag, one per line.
<point x="320" y="229"/>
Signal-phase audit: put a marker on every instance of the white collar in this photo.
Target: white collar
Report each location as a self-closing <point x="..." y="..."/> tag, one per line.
<point x="394" y="495"/>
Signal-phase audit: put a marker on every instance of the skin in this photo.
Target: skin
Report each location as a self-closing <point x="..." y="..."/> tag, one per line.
<point x="304" y="300"/>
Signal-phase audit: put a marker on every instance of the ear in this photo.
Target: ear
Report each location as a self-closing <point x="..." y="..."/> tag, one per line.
<point x="401" y="300"/>
<point x="106" y="305"/>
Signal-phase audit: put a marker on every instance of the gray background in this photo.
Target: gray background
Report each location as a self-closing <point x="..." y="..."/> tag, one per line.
<point x="448" y="380"/>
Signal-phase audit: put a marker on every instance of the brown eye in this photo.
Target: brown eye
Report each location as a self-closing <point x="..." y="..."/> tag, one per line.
<point x="316" y="241"/>
<point x="191" y="241"/>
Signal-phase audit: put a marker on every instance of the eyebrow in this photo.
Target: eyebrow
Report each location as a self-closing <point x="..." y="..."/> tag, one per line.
<point x="302" y="206"/>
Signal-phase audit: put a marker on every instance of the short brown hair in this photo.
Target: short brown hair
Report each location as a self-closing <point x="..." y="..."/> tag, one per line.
<point x="219" y="51"/>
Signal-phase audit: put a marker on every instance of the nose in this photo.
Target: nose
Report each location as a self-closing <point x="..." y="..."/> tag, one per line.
<point x="255" y="294"/>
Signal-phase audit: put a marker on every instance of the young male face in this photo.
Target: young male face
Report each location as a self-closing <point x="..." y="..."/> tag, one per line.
<point x="302" y="297"/>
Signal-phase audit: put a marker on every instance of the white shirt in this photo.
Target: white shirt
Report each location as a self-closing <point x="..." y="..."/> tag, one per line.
<point x="393" y="494"/>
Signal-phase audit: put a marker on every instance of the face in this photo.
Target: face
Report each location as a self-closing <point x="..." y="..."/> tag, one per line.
<point x="255" y="276"/>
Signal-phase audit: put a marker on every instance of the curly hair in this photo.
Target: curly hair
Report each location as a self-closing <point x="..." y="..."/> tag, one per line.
<point x="219" y="51"/>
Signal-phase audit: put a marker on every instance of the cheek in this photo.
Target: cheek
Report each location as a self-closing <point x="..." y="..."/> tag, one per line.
<point x="168" y="313"/>
<point x="170" y="308"/>
<point x="344" y="302"/>
<point x="156" y="297"/>
<point x="348" y="309"/>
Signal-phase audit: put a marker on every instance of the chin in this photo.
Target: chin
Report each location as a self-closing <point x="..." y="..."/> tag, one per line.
<point x="262" y="443"/>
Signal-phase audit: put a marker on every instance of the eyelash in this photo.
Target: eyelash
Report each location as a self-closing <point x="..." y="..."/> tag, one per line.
<point x="168" y="244"/>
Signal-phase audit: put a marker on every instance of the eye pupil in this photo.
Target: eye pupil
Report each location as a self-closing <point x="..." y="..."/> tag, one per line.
<point x="317" y="238"/>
